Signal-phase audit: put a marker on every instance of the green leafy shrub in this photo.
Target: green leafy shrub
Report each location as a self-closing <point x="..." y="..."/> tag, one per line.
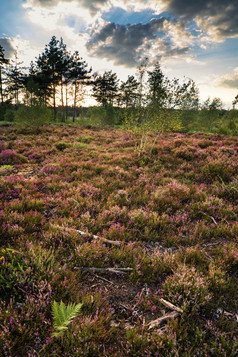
<point x="101" y="116"/>
<point x="32" y="117"/>
<point x="144" y="121"/>
<point x="79" y="146"/>
<point x="5" y="169"/>
<point x="9" y="115"/>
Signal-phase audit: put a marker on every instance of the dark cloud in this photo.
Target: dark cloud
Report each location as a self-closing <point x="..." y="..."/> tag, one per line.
<point x="127" y="45"/>
<point x="7" y="45"/>
<point x="219" y="17"/>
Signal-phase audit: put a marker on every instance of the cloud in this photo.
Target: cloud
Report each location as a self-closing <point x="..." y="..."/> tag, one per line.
<point x="128" y="44"/>
<point x="219" y="18"/>
<point x="229" y="80"/>
<point x="92" y="5"/>
<point x="6" y="43"/>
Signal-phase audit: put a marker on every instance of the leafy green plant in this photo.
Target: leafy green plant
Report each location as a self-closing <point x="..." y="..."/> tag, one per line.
<point x="9" y="115"/>
<point x="63" y="316"/>
<point x="5" y="169"/>
<point x="32" y="117"/>
<point x="144" y="121"/>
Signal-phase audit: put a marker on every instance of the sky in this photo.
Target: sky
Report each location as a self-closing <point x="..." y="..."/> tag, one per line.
<point x="193" y="39"/>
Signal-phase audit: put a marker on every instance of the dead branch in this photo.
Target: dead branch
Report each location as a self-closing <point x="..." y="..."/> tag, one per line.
<point x="170" y="306"/>
<point x="100" y="277"/>
<point x="212" y="218"/>
<point x="105" y="270"/>
<point x="104" y="240"/>
<point x="162" y="319"/>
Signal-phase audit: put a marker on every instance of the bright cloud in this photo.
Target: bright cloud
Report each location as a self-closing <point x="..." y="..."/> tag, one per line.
<point x="229" y="80"/>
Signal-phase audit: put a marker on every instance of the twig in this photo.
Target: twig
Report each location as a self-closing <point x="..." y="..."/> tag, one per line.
<point x="170" y="306"/>
<point x="100" y="277"/>
<point x="106" y="241"/>
<point x="102" y="270"/>
<point x="162" y="319"/>
<point x="212" y="218"/>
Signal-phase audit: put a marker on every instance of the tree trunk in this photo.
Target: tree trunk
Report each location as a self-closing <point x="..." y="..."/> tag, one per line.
<point x="75" y="101"/>
<point x="1" y="85"/>
<point x="54" y="101"/>
<point x="66" y="102"/>
<point x="62" y="102"/>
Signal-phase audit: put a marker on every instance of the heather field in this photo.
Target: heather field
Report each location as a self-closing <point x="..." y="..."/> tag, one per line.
<point x="155" y="273"/>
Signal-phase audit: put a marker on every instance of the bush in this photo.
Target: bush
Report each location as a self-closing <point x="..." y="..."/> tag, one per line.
<point x="101" y="115"/>
<point x="32" y="117"/>
<point x="9" y="115"/>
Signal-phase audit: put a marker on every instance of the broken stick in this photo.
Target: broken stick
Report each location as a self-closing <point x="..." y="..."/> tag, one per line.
<point x="170" y="306"/>
<point x="103" y="270"/>
<point x="106" y="241"/>
<point x="162" y="319"/>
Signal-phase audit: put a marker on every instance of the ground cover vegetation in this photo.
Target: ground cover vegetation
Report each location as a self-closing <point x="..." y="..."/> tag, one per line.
<point x="155" y="273"/>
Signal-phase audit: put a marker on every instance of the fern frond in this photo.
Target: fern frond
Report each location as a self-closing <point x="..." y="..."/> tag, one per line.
<point x="63" y="316"/>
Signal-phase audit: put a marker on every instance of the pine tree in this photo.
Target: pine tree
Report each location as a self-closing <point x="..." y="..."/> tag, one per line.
<point x="14" y="80"/>
<point x="157" y="90"/>
<point x="51" y="65"/>
<point x="3" y="61"/>
<point x="129" y="92"/>
<point x="105" y="88"/>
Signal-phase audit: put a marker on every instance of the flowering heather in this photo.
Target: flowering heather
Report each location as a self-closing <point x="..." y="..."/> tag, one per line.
<point x="11" y="157"/>
<point x="172" y="215"/>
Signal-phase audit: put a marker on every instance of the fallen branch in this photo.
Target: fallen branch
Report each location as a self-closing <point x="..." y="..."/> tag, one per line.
<point x="162" y="319"/>
<point x="104" y="240"/>
<point x="100" y="277"/>
<point x="170" y="306"/>
<point x="212" y="218"/>
<point x="103" y="270"/>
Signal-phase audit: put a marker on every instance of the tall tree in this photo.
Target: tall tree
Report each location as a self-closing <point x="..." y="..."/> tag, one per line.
<point x="211" y="111"/>
<point x="14" y="80"/>
<point x="31" y="86"/>
<point x="63" y="70"/>
<point x="3" y="61"/>
<point x="157" y="91"/>
<point x="129" y="92"/>
<point x="181" y="95"/>
<point x="50" y="67"/>
<point x="105" y="88"/>
<point x="78" y="74"/>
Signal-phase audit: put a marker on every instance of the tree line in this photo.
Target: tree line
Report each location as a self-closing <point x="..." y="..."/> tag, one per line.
<point x="58" y="77"/>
